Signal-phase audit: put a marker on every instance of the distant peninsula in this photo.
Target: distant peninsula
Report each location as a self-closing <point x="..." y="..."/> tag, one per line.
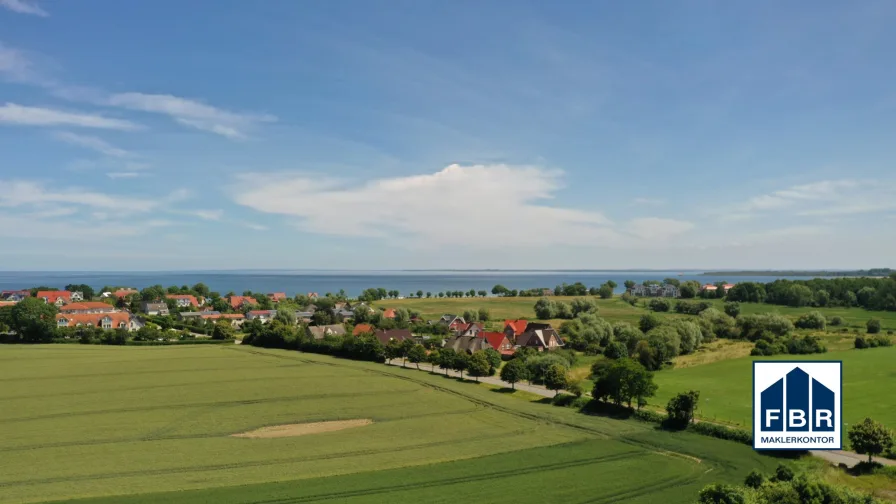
<point x="873" y="272"/>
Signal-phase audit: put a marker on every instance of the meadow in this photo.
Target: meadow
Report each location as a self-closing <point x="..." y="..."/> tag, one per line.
<point x="122" y="424"/>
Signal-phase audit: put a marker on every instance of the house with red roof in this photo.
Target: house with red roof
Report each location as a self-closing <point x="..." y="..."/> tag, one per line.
<point x="467" y="329"/>
<point x="514" y="328"/>
<point x="87" y="307"/>
<point x="498" y="341"/>
<point x="360" y="329"/>
<point x="114" y="320"/>
<point x="277" y="296"/>
<point x="123" y="293"/>
<point x="184" y="300"/>
<point x="240" y="302"/>
<point x="57" y="298"/>
<point x="7" y="303"/>
<point x="389" y="313"/>
<point x="263" y="316"/>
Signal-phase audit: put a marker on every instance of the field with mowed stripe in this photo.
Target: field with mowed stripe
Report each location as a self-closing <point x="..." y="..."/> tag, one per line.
<point x="131" y="424"/>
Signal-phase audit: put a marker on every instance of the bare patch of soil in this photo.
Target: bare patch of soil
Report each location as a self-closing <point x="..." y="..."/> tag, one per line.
<point x="302" y="429"/>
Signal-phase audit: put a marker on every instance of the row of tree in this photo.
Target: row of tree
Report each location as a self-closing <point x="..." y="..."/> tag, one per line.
<point x="868" y="293"/>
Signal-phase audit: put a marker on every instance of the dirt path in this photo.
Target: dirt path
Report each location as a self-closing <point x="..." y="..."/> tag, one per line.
<point x="833" y="456"/>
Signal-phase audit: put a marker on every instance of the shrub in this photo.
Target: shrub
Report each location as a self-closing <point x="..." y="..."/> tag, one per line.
<point x="860" y="343"/>
<point x="835" y="321"/>
<point x="732" y="309"/>
<point x="692" y="307"/>
<point x="659" y="305"/>
<point x="811" y="320"/>
<point x="722" y="432"/>
<point x="648" y="322"/>
<point x="873" y="326"/>
<point x="783" y="473"/>
<point x="755" y="479"/>
<point x="752" y="327"/>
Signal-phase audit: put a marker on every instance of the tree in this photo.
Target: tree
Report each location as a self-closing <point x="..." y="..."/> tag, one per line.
<point x="605" y="291"/>
<point x="612" y="284"/>
<point x="659" y="305"/>
<point x="484" y="315"/>
<point x="648" y="322"/>
<point x="783" y="473"/>
<point x="153" y="293"/>
<point x="672" y="281"/>
<point x="681" y="408"/>
<point x="544" y="308"/>
<point x="482" y="293"/>
<point x="555" y="378"/>
<point x="434" y="358"/>
<point x="755" y="479"/>
<point x="513" y="372"/>
<point x="870" y="437"/>
<point x="417" y="354"/>
<point x="718" y="493"/>
<point x="689" y="289"/>
<point x="392" y="351"/>
<point x="470" y="315"/>
<point x="622" y="381"/>
<point x="446" y="359"/>
<point x="84" y="289"/>
<point x="494" y="360"/>
<point x="629" y="284"/>
<point x="406" y="346"/>
<point x="478" y="365"/>
<point x="732" y="309"/>
<point x="873" y="326"/>
<point x="616" y="350"/>
<point x="223" y="330"/>
<point x="461" y="363"/>
<point x="811" y="320"/>
<point x="201" y="289"/>
<point x="33" y="320"/>
<point x="419" y="293"/>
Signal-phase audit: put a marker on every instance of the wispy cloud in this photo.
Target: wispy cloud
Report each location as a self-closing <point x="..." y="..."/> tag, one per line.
<point x="826" y="198"/>
<point x="191" y="113"/>
<point x="14" y="65"/>
<point x="93" y="143"/>
<point x="19" y="193"/>
<point x="212" y="215"/>
<point x="648" y="201"/>
<point x="123" y="175"/>
<point x="11" y="113"/>
<point x="434" y="209"/>
<point x="24" y="7"/>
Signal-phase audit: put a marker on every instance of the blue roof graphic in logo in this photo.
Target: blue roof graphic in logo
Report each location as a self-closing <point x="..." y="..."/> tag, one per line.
<point x="797" y="403"/>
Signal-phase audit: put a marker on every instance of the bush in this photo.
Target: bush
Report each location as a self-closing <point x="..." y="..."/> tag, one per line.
<point x="783" y="473"/>
<point x="835" y="321"/>
<point x="811" y="320"/>
<point x="659" y="305"/>
<point x="649" y="322"/>
<point x="860" y="343"/>
<point x="722" y="432"/>
<point x="753" y="327"/>
<point x="692" y="307"/>
<point x="755" y="479"/>
<point x="878" y="340"/>
<point x="873" y="326"/>
<point x="732" y="309"/>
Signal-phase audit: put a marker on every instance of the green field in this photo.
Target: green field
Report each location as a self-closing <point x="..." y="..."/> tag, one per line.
<point x="95" y="422"/>
<point x="726" y="387"/>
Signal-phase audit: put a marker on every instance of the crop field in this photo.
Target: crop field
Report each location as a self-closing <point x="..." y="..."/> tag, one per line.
<point x="726" y="387"/>
<point x="134" y="424"/>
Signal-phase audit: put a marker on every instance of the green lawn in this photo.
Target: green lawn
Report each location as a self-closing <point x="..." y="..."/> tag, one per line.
<point x="108" y="422"/>
<point x="869" y="381"/>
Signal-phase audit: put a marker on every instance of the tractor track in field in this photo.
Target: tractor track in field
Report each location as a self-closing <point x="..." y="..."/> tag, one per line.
<point x="259" y="463"/>
<point x="489" y="476"/>
<point x="487" y="404"/>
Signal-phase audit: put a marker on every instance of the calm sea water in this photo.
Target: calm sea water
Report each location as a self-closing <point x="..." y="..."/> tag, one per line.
<point x="353" y="282"/>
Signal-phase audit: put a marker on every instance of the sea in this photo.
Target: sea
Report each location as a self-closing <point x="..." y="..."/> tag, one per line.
<point x="407" y="283"/>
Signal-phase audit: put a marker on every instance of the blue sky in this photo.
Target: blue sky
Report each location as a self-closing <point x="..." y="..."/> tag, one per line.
<point x="429" y="134"/>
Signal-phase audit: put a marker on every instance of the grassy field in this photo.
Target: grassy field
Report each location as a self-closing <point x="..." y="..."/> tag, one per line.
<point x="869" y="378"/>
<point x="107" y="422"/>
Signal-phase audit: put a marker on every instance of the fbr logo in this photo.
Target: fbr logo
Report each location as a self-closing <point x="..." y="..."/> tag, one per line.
<point x="796" y="405"/>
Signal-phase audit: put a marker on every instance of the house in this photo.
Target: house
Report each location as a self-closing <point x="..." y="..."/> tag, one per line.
<point x="728" y="287"/>
<point x="469" y="344"/>
<point x="155" y="308"/>
<point x="362" y="329"/>
<point x="277" y="296"/>
<point x="497" y="340"/>
<point x="469" y="329"/>
<point x="312" y="295"/>
<point x="386" y="335"/>
<point x="263" y="316"/>
<point x="343" y="314"/>
<point x="196" y="315"/>
<point x="320" y="332"/>
<point x="240" y="302"/>
<point x="14" y="295"/>
<point x="184" y="300"/>
<point x="539" y="336"/>
<point x="304" y="316"/>
<point x="709" y="287"/>
<point x="87" y="307"/>
<point x="236" y="319"/>
<point x="57" y="298"/>
<point x="114" y="320"/>
<point x="77" y="296"/>
<point x="450" y="319"/>
<point x="514" y="328"/>
<point x="7" y="303"/>
<point x="654" y="290"/>
<point x="123" y="293"/>
<point x="389" y="313"/>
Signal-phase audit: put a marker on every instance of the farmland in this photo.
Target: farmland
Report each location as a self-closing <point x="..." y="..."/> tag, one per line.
<point x="104" y="422"/>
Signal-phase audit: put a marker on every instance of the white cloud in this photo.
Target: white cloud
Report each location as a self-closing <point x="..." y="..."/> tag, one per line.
<point x="19" y="193"/>
<point x="37" y="116"/>
<point x="24" y="7"/>
<point x="508" y="203"/>
<point x="253" y="226"/>
<point x="826" y="198"/>
<point x="191" y="113"/>
<point x="213" y="215"/>
<point x="93" y="143"/>
<point x="15" y="65"/>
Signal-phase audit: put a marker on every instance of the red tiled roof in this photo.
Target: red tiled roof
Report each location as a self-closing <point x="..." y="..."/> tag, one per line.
<point x="729" y="286"/>
<point x="236" y="316"/>
<point x="191" y="297"/>
<point x="494" y="339"/>
<point x="277" y="296"/>
<point x="262" y="312"/>
<point x="389" y="313"/>
<point x="237" y="301"/>
<point x="7" y="303"/>
<point x="709" y="287"/>
<point x="96" y="319"/>
<point x="362" y="329"/>
<point x="86" y="305"/>
<point x="52" y="296"/>
<point x="518" y="326"/>
<point x="123" y="293"/>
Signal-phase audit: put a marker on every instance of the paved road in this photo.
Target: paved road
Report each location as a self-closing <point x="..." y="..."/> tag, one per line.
<point x="833" y="456"/>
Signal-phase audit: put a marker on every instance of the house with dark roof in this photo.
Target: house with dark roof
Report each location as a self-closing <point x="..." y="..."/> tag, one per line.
<point x="449" y="319"/>
<point x="467" y="329"/>
<point x="469" y="344"/>
<point x="320" y="332"/>
<point x="539" y="336"/>
<point x="157" y="308"/>
<point x="654" y="290"/>
<point x="386" y="335"/>
<point x="14" y="295"/>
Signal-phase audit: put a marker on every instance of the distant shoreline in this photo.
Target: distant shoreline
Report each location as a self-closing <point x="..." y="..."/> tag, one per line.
<point x="872" y="273"/>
